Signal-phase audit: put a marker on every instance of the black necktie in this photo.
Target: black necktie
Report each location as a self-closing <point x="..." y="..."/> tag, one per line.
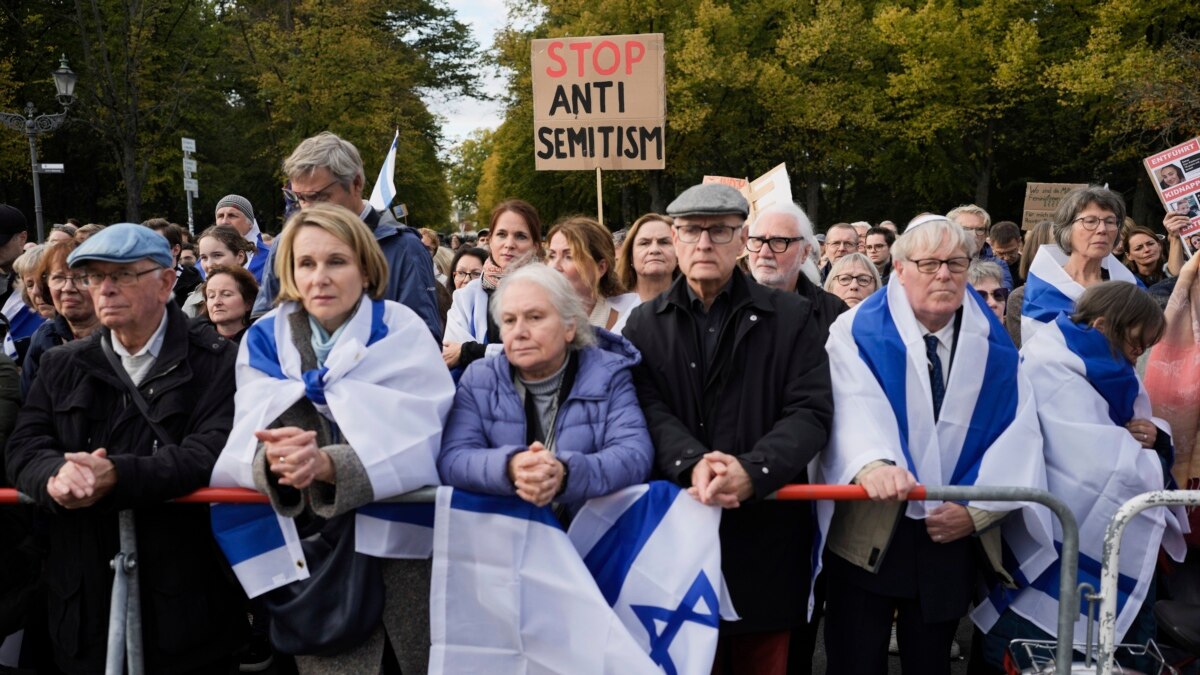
<point x="936" y="383"/>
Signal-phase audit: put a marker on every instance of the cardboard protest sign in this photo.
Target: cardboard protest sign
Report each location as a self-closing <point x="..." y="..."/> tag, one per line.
<point x="1041" y="200"/>
<point x="1176" y="177"/>
<point x="772" y="187"/>
<point x="599" y="102"/>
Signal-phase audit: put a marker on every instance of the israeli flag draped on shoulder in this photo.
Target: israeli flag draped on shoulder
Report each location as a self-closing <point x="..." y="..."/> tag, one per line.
<point x="1050" y="291"/>
<point x="636" y="588"/>
<point x="385" y="186"/>
<point x="1085" y="397"/>
<point x="987" y="432"/>
<point x="388" y="393"/>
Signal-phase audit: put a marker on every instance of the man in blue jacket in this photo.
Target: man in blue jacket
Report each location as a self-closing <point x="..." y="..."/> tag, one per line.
<point x="326" y="168"/>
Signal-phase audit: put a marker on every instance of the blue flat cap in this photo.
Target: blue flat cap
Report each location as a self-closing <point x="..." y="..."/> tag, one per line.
<point x="709" y="199"/>
<point x="123" y="243"/>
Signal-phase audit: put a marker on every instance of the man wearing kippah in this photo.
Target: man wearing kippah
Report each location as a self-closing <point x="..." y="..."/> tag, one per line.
<point x="237" y="212"/>
<point x="734" y="382"/>
<point x="84" y="450"/>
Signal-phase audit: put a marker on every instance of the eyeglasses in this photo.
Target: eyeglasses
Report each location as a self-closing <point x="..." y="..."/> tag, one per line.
<point x="469" y="275"/>
<point x="122" y="278"/>
<point x="877" y="247"/>
<point x="777" y="244"/>
<point x="57" y="282"/>
<point x="932" y="265"/>
<point x="309" y="197"/>
<point x="717" y="234"/>
<point x="999" y="294"/>
<point x="1090" y="223"/>
<point x="976" y="230"/>
<point x="862" y="279"/>
<point x="841" y="244"/>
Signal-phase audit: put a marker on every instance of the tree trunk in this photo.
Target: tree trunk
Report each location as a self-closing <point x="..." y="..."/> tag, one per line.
<point x="658" y="203"/>
<point x="984" y="182"/>
<point x="133" y="181"/>
<point x="812" y="196"/>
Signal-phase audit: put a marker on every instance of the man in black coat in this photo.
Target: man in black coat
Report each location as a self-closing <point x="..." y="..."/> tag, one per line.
<point x="84" y="452"/>
<point x="735" y="386"/>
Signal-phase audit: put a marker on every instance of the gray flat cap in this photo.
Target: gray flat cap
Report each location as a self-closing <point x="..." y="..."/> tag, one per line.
<point x="710" y="199"/>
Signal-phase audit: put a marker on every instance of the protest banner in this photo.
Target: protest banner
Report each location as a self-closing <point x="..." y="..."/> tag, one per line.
<point x="599" y="102"/>
<point x="1041" y="199"/>
<point x="773" y="187"/>
<point x="1176" y="177"/>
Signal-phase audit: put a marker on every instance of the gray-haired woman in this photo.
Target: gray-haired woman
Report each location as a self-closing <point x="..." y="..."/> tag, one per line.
<point x="554" y="417"/>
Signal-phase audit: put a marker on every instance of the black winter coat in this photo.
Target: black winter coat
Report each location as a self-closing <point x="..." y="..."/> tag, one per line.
<point x="768" y="400"/>
<point x="190" y="607"/>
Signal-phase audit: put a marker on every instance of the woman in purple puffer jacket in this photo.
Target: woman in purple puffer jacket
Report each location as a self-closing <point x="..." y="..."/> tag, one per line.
<point x="555" y="417"/>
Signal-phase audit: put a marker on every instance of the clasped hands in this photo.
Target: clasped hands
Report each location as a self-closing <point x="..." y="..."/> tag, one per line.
<point x="536" y="474"/>
<point x="720" y="479"/>
<point x="945" y="523"/>
<point x="84" y="480"/>
<point x="293" y="455"/>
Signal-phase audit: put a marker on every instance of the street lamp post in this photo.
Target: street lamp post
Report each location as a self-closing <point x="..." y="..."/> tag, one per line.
<point x="64" y="83"/>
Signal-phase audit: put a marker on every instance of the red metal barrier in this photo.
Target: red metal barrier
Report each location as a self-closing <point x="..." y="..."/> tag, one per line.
<point x="244" y="496"/>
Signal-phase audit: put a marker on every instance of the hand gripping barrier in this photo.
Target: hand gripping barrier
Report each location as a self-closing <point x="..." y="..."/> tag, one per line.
<point x="125" y="639"/>
<point x="1110" y="568"/>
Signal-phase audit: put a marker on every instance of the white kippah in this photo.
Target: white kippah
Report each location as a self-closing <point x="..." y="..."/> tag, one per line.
<point x="922" y="220"/>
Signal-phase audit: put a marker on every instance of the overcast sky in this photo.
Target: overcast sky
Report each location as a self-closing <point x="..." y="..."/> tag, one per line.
<point x="463" y="116"/>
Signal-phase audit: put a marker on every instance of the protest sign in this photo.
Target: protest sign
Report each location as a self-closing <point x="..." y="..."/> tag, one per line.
<point x="1041" y="199"/>
<point x="773" y="187"/>
<point x="599" y="102"/>
<point x="1176" y="177"/>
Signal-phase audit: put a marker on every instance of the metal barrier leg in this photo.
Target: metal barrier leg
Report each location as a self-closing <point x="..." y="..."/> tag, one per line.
<point x="1111" y="564"/>
<point x="134" y="658"/>
<point x="115" y="656"/>
<point x="1068" y="602"/>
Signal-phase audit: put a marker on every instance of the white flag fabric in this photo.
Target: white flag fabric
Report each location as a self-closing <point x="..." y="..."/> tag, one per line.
<point x="388" y="394"/>
<point x="656" y="555"/>
<point x="385" y="186"/>
<point x="511" y="594"/>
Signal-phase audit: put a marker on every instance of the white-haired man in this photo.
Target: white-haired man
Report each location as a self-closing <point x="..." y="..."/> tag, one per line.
<point x="326" y="168"/>
<point x="899" y="418"/>
<point x="780" y="245"/>
<point x="978" y="223"/>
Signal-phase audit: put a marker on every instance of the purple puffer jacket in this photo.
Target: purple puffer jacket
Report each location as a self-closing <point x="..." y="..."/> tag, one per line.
<point x="601" y="434"/>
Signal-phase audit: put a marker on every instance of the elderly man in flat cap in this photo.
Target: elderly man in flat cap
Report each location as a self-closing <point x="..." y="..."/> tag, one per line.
<point x="84" y="448"/>
<point x="734" y="382"/>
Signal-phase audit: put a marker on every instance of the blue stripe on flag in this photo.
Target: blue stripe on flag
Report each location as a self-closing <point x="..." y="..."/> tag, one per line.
<point x="1089" y="573"/>
<point x="611" y="558"/>
<point x="513" y="507"/>
<point x="379" y="329"/>
<point x="263" y="355"/>
<point x="880" y="347"/>
<point x="245" y="531"/>
<point x="414" y="514"/>
<point x="1111" y="376"/>
<point x="989" y="420"/>
<point x="1043" y="301"/>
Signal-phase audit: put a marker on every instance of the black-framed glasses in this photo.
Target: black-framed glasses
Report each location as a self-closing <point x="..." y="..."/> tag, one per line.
<point x="469" y="275"/>
<point x="57" y="282"/>
<point x="309" y="197"/>
<point x="717" y="234"/>
<point x="121" y="278"/>
<point x="776" y="244"/>
<point x="997" y="294"/>
<point x="1090" y="223"/>
<point x="932" y="265"/>
<point x="862" y="279"/>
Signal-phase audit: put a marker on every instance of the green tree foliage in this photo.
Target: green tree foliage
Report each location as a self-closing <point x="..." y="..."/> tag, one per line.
<point x="465" y="171"/>
<point x="881" y="108"/>
<point x="248" y="79"/>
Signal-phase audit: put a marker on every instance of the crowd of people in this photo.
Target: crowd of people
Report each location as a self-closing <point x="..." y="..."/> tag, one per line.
<point x="727" y="350"/>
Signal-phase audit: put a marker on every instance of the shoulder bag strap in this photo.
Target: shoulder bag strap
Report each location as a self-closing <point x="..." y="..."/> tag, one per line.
<point x="134" y="393"/>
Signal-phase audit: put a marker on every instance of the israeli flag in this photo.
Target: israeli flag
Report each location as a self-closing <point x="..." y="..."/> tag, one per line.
<point x="656" y="556"/>
<point x="385" y="186"/>
<point x="511" y="593"/>
<point x="1050" y="291"/>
